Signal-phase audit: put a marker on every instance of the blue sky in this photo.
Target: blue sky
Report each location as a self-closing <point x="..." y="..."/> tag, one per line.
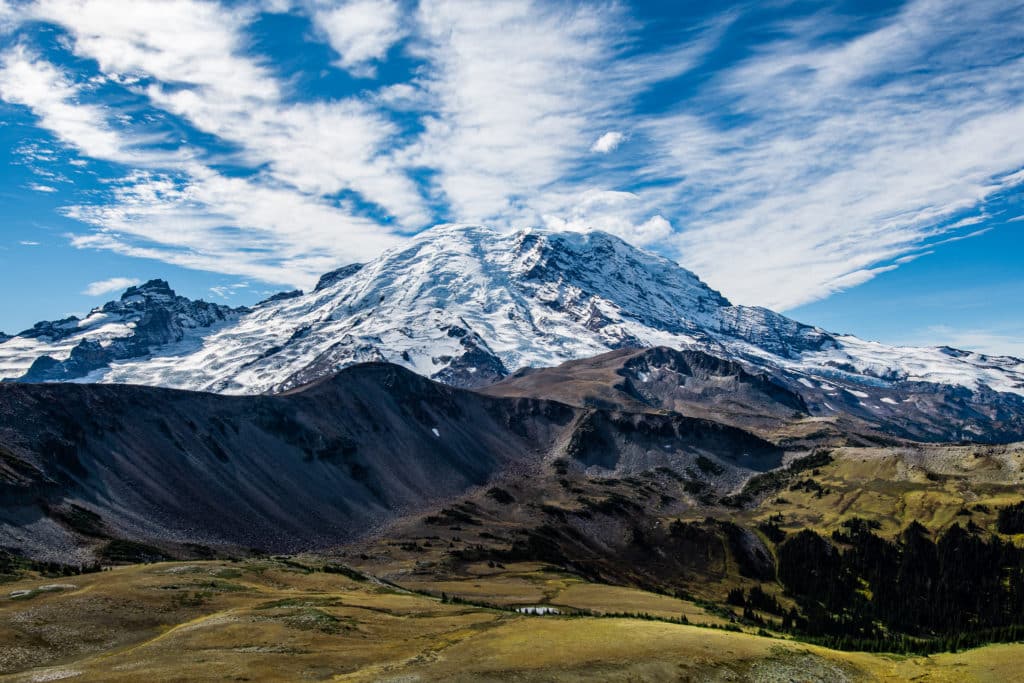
<point x="856" y="164"/>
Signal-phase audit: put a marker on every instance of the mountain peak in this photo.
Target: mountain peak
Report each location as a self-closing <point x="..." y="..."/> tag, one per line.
<point x="147" y="317"/>
<point x="155" y="288"/>
<point x="466" y="304"/>
<point x="592" y="260"/>
<point x="445" y="234"/>
<point x="469" y="305"/>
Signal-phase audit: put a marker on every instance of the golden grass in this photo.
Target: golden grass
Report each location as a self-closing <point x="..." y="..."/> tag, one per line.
<point x="929" y="486"/>
<point x="514" y="584"/>
<point x="185" y="622"/>
<point x="606" y="599"/>
<point x="263" y="620"/>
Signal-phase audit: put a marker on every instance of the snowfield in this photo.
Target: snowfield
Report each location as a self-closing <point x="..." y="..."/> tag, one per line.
<point x="467" y="305"/>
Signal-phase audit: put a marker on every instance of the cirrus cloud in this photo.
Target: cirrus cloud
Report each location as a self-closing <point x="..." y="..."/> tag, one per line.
<point x="828" y="150"/>
<point x="114" y="284"/>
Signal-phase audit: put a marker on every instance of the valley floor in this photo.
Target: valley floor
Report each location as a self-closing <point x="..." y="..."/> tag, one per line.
<point x="277" y="619"/>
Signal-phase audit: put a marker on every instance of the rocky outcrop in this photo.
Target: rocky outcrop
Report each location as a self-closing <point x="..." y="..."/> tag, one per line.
<point x="312" y="467"/>
<point x="335" y="276"/>
<point x="152" y="316"/>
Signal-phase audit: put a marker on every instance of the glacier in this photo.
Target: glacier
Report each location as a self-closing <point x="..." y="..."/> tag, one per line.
<point x="468" y="305"/>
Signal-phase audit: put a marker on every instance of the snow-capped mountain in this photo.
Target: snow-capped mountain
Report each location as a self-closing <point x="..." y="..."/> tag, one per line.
<point x="468" y="305"/>
<point x="147" y="319"/>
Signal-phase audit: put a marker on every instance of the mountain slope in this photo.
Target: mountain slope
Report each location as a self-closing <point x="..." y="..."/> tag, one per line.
<point x="468" y="306"/>
<point x="80" y="464"/>
<point x="309" y="468"/>
<point x="661" y="379"/>
<point x="777" y="405"/>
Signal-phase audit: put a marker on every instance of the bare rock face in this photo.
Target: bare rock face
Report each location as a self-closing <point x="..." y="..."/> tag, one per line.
<point x="767" y="401"/>
<point x="328" y="279"/>
<point x="304" y="469"/>
<point x="313" y="467"/>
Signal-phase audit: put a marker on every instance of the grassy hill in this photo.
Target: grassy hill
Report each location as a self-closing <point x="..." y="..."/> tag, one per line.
<point x="277" y="619"/>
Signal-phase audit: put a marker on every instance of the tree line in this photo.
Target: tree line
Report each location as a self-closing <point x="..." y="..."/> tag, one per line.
<point x="912" y="593"/>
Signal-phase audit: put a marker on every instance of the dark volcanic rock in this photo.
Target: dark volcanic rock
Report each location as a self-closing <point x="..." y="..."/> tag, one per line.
<point x="281" y="296"/>
<point x="328" y="279"/>
<point x="477" y="366"/>
<point x="687" y="382"/>
<point x="700" y="384"/>
<point x="312" y="467"/>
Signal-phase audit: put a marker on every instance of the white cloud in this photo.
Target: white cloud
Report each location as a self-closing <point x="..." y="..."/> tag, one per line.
<point x="230" y="225"/>
<point x="8" y="17"/>
<point x="619" y="213"/>
<point x="190" y="215"/>
<point x="275" y="6"/>
<point x="228" y="291"/>
<point x="27" y="80"/>
<point x="508" y="119"/>
<point x="361" y="31"/>
<point x="190" y="42"/>
<point x="276" y="225"/>
<point x="910" y="258"/>
<point x="37" y="187"/>
<point x="520" y="90"/>
<point x="194" y="51"/>
<point x="28" y="243"/>
<point x="114" y="284"/>
<point x="860" y="156"/>
<point x="607" y="142"/>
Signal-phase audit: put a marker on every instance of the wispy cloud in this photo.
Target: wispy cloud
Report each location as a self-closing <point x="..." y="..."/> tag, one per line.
<point x="361" y="31"/>
<point x="228" y="291"/>
<point x="27" y="80"/>
<point x="114" y="284"/>
<point x="846" y="156"/>
<point x="189" y="214"/>
<point x="234" y="226"/>
<point x="619" y="213"/>
<point x="826" y="152"/>
<point x="510" y="131"/>
<point x="191" y="57"/>
<point x="507" y="121"/>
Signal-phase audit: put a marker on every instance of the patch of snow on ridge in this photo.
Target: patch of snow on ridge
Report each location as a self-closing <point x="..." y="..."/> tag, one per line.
<point x="148" y="317"/>
<point x="18" y="353"/>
